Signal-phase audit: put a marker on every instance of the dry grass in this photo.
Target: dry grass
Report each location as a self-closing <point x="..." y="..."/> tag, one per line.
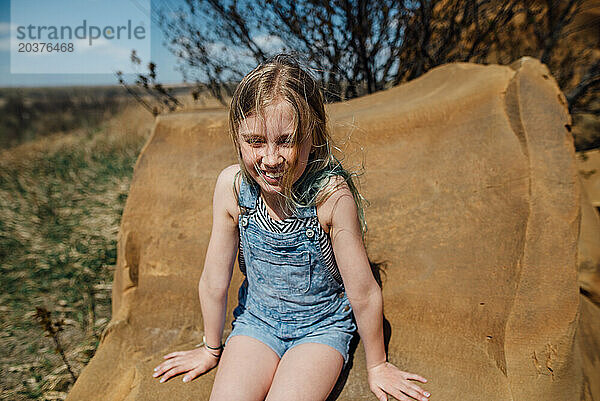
<point x="61" y="200"/>
<point x="30" y="113"/>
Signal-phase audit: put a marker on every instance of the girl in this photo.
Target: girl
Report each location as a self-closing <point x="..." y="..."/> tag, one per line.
<point x="295" y="217"/>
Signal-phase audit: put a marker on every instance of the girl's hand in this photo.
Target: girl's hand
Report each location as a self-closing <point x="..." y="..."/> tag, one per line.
<point x="195" y="362"/>
<point x="386" y="378"/>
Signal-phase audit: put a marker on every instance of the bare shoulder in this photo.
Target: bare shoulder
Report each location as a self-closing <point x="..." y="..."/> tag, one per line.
<point x="225" y="197"/>
<point x="338" y="200"/>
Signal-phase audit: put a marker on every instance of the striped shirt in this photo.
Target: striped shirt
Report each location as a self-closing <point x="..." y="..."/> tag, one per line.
<point x="266" y="222"/>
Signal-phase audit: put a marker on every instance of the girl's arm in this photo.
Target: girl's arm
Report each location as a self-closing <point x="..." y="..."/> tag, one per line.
<point x="213" y="286"/>
<point x="220" y="258"/>
<point x="366" y="299"/>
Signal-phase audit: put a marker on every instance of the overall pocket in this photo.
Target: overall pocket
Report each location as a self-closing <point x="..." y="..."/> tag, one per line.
<point x="287" y="272"/>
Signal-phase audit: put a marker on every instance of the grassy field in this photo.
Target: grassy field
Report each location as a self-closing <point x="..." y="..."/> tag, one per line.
<point x="30" y="113"/>
<point x="66" y="161"/>
<point x="61" y="200"/>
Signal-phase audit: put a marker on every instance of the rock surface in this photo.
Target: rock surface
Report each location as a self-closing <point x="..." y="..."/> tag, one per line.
<point x="475" y="208"/>
<point x="588" y="256"/>
<point x="589" y="167"/>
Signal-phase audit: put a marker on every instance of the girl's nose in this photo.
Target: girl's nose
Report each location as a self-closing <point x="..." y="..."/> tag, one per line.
<point x="272" y="157"/>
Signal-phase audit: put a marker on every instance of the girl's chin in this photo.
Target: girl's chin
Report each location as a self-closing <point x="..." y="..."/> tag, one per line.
<point x="269" y="188"/>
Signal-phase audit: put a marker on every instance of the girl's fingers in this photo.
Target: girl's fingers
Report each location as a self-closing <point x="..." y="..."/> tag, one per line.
<point x="169" y="360"/>
<point x="193" y="374"/>
<point x="174" y="371"/>
<point x="419" y="389"/>
<point x="413" y="376"/>
<point x="379" y="393"/>
<point x="163" y="367"/>
<point x="164" y="373"/>
<point x="397" y="394"/>
<point x="414" y="393"/>
<point x="160" y="369"/>
<point x="173" y="354"/>
<point x="414" y="390"/>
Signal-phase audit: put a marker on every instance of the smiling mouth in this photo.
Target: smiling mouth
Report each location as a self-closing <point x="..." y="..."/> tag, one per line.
<point x="272" y="176"/>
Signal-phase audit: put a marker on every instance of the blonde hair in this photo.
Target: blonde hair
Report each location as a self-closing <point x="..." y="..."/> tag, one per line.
<point x="282" y="78"/>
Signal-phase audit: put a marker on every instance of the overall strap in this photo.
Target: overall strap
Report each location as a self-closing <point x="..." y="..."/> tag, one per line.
<point x="248" y="193"/>
<point x="308" y="211"/>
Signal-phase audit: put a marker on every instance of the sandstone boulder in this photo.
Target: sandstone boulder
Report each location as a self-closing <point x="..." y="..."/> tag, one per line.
<point x="475" y="209"/>
<point x="588" y="256"/>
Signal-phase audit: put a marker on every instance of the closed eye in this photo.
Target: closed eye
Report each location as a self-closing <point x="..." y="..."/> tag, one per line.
<point x="254" y="140"/>
<point x="257" y="140"/>
<point x="285" y="140"/>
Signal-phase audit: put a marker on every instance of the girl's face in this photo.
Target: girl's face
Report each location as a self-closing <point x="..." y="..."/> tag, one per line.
<point x="267" y="148"/>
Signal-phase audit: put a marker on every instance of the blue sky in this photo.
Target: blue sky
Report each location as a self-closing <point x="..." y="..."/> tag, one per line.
<point x="166" y="61"/>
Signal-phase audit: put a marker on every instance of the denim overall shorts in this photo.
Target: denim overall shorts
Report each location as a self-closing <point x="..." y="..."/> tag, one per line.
<point x="288" y="296"/>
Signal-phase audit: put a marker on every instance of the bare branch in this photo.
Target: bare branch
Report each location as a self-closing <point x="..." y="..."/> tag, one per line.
<point x="590" y="80"/>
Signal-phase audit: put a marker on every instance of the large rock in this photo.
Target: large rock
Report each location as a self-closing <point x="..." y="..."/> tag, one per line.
<point x="588" y="256"/>
<point x="589" y="168"/>
<point x="474" y="195"/>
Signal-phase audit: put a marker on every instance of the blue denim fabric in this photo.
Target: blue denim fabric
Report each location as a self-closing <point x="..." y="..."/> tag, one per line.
<point x="288" y="297"/>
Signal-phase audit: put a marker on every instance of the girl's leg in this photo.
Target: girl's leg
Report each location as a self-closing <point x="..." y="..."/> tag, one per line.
<point x="245" y="371"/>
<point x="306" y="372"/>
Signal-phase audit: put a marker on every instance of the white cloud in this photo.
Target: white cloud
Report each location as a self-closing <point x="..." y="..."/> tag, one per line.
<point x="98" y="45"/>
<point x="119" y="55"/>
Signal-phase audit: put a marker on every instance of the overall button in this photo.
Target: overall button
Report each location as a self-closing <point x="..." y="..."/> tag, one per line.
<point x="347" y="308"/>
<point x="310" y="232"/>
<point x="341" y="295"/>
